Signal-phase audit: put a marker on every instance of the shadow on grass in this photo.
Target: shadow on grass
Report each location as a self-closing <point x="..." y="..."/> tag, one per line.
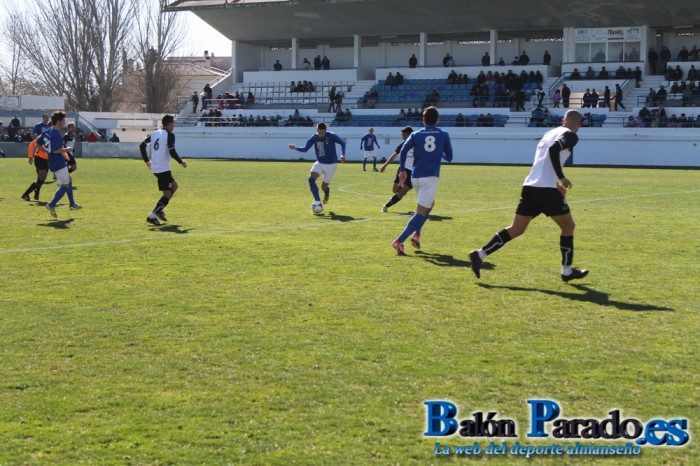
<point x="445" y="260"/>
<point x="431" y="217"/>
<point x="339" y="218"/>
<point x="588" y="295"/>
<point x="172" y="228"/>
<point x="58" y="224"/>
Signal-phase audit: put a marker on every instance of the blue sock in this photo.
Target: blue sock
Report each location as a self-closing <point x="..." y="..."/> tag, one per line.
<point x="327" y="191"/>
<point x="69" y="192"/>
<point x="314" y="188"/>
<point x="364" y="163"/>
<point x="426" y="219"/>
<point x="374" y="164"/>
<point x="57" y="197"/>
<point x="414" y="224"/>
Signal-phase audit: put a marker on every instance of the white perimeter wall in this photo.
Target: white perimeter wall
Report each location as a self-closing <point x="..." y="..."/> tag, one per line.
<point x="672" y="147"/>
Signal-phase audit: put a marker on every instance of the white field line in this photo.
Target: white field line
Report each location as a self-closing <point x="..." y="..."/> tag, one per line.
<point x="310" y="225"/>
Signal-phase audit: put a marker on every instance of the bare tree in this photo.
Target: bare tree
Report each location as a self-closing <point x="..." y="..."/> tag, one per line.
<point x="12" y="68"/>
<point x="76" y="47"/>
<point x="158" y="35"/>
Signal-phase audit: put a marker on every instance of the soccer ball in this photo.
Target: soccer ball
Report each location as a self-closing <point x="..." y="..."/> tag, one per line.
<point x="317" y="207"/>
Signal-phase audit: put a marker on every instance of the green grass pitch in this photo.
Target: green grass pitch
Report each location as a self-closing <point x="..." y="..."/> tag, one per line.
<point x="250" y="331"/>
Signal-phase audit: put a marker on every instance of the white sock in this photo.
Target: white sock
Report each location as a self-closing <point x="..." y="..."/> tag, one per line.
<point x="566" y="270"/>
<point x="482" y="254"/>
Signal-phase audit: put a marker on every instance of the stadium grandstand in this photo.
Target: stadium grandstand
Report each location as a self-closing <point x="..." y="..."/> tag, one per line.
<point x="488" y="68"/>
<point x="497" y="70"/>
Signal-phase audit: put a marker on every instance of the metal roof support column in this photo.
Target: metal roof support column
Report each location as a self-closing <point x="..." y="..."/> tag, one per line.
<point x="423" y="50"/>
<point x="357" y="51"/>
<point x="493" y="46"/>
<point x="295" y="53"/>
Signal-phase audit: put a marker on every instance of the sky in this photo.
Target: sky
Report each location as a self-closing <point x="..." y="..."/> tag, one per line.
<point x="199" y="35"/>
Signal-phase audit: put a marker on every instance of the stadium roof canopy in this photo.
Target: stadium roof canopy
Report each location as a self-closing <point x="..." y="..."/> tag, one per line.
<point x="314" y="22"/>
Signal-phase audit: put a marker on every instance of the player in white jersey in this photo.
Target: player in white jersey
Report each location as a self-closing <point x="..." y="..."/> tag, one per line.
<point x="162" y="143"/>
<point x="544" y="191"/>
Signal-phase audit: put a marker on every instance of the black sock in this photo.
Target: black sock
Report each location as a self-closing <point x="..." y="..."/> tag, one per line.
<point x="162" y="203"/>
<point x="566" y="244"/>
<point x="393" y="200"/>
<point x="497" y="242"/>
<point x="38" y="188"/>
<point x="31" y="188"/>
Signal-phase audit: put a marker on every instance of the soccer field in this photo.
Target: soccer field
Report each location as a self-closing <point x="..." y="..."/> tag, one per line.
<point x="248" y="330"/>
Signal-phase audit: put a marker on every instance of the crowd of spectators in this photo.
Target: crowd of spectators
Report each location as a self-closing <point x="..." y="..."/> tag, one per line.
<point x="369" y="100"/>
<point x="392" y="80"/>
<point x="215" y="118"/>
<point x="687" y="93"/>
<point x="228" y="101"/>
<point x="658" y="118"/>
<point x="306" y="86"/>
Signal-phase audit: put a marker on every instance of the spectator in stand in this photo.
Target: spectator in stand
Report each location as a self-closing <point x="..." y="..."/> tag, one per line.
<point x="645" y="117"/>
<point x="556" y="98"/>
<point x="207" y="95"/>
<point x="590" y="74"/>
<point x="459" y="120"/>
<point x="620" y="72"/>
<point x="651" y="97"/>
<point x="575" y="74"/>
<point x="306" y="64"/>
<point x="520" y="101"/>
<point x="398" y="79"/>
<point x="603" y="74"/>
<point x="637" y="77"/>
<point x="537" y="116"/>
<point x="250" y="100"/>
<point x="586" y="99"/>
<point x="317" y="62"/>
<point x="300" y="87"/>
<point x="565" y="95"/>
<point x="413" y="61"/>
<point x="665" y="57"/>
<point x="485" y="60"/>
<point x="331" y="100"/>
<point x="13" y="129"/>
<point x="661" y="95"/>
<point x="618" y="98"/>
<point x="326" y="63"/>
<point x="452" y="77"/>
<point x="599" y="57"/>
<point x="683" y="55"/>
<point x="630" y="122"/>
<point x="547" y="59"/>
<point x="195" y="101"/>
<point x="692" y="73"/>
<point x="277" y="66"/>
<point x="693" y="55"/>
<point x="606" y="97"/>
<point x="652" y="58"/>
<point x="338" y="99"/>
<point x="523" y="59"/>
<point x="292" y="86"/>
<point x="389" y="81"/>
<point x="633" y="55"/>
<point x="114" y="137"/>
<point x="92" y="137"/>
<point x="311" y="87"/>
<point x="594" y="99"/>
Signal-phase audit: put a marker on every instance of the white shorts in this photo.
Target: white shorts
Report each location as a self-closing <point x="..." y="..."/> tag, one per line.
<point x="62" y="177"/>
<point x="370" y="153"/>
<point x="326" y="170"/>
<point x="425" y="188"/>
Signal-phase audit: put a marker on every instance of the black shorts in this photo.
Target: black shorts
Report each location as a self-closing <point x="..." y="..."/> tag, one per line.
<point x="408" y="178"/>
<point x="548" y="201"/>
<point x="165" y="181"/>
<point x="41" y="164"/>
<point x="72" y="164"/>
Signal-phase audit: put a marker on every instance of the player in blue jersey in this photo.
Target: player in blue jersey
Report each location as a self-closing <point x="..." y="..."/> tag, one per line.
<point x="367" y="144"/>
<point x="40" y="127"/>
<point x="544" y="191"/>
<point x="52" y="142"/>
<point x="326" y="163"/>
<point x="162" y="142"/>
<point x="430" y="145"/>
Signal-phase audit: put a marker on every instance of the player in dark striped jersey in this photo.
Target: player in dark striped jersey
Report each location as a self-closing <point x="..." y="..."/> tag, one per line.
<point x="162" y="142"/>
<point x="544" y="191"/>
